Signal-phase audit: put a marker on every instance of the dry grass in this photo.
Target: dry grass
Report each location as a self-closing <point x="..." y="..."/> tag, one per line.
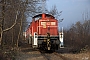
<point x="79" y="56"/>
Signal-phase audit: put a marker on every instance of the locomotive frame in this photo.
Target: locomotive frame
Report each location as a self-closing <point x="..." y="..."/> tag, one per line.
<point x="43" y="32"/>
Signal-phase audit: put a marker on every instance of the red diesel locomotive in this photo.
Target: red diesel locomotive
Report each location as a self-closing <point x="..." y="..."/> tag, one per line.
<point x="43" y="32"/>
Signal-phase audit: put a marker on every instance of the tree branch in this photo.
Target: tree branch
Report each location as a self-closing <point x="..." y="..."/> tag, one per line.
<point x="12" y="25"/>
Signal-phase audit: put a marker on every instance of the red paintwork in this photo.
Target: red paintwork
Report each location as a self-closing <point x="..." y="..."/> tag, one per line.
<point x="46" y="24"/>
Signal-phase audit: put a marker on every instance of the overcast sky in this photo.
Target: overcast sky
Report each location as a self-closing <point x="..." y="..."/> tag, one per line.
<point x="73" y="10"/>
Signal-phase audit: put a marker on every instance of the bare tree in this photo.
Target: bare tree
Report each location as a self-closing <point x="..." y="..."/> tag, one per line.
<point x="15" y="13"/>
<point x="78" y="35"/>
<point x="55" y="12"/>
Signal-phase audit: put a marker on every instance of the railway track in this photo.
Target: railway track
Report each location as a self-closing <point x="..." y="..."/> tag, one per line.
<point x="53" y="56"/>
<point x="62" y="57"/>
<point x="45" y="56"/>
<point x="29" y="53"/>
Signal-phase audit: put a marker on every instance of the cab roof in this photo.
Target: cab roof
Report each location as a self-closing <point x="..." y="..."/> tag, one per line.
<point x="40" y="15"/>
